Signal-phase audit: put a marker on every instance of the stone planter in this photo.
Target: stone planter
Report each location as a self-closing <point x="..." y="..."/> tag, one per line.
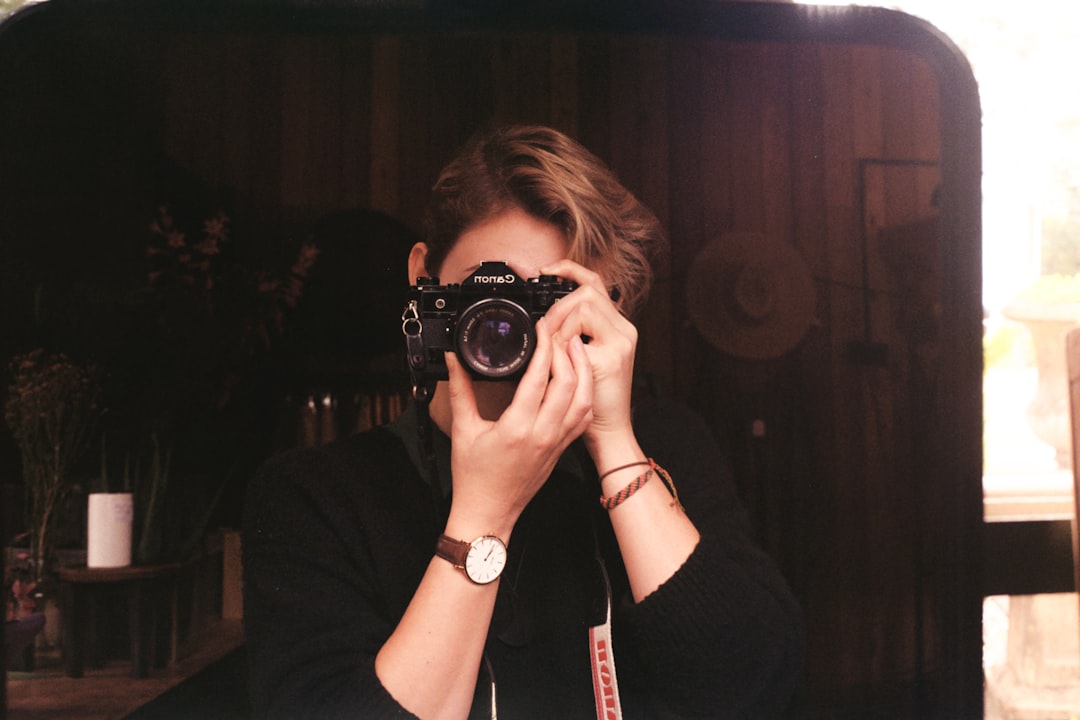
<point x="1048" y="413"/>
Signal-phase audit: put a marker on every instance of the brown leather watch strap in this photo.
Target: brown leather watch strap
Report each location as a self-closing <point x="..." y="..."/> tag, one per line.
<point x="451" y="550"/>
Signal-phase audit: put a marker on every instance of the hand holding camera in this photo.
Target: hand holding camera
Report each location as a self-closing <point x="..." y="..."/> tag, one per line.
<point x="611" y="349"/>
<point x="489" y="320"/>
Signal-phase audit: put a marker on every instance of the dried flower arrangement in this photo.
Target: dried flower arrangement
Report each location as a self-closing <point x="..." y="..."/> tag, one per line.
<point x="53" y="408"/>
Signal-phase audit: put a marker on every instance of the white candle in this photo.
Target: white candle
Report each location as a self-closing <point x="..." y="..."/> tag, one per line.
<point x="108" y="529"/>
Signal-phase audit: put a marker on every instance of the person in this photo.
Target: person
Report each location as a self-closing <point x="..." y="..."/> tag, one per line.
<point x="652" y="603"/>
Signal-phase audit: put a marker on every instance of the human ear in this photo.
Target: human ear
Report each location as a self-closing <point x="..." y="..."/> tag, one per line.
<point x="418" y="262"/>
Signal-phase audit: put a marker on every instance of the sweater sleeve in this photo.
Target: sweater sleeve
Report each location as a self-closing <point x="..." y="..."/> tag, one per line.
<point x="314" y="617"/>
<point x="723" y="638"/>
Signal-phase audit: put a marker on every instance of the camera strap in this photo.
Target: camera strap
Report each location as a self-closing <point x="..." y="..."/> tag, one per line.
<point x="601" y="659"/>
<point x="602" y="655"/>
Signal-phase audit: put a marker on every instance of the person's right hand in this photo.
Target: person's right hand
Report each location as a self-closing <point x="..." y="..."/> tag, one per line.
<point x="499" y="466"/>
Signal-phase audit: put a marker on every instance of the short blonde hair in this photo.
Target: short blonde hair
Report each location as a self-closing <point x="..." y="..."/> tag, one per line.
<point x="552" y="177"/>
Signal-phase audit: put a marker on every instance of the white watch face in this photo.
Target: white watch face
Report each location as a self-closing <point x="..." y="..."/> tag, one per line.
<point x="485" y="560"/>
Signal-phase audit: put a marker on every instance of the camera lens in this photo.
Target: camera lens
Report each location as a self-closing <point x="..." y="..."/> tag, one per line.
<point x="495" y="337"/>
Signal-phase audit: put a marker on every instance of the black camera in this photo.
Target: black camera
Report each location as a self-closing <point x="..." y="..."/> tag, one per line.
<point x="489" y="320"/>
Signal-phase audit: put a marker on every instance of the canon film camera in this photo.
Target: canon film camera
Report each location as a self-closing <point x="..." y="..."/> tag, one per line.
<point x="489" y="320"/>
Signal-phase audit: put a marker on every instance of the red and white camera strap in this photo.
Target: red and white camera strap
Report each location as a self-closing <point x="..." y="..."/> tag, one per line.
<point x="602" y="657"/>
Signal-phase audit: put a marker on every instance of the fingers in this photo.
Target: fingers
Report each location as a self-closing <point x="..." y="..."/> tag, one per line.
<point x="602" y="314"/>
<point x="568" y="397"/>
<point x="590" y="313"/>
<point x="593" y="316"/>
<point x="462" y="396"/>
<point x="555" y="393"/>
<point x="570" y="270"/>
<point x="564" y="381"/>
<point x="582" y="403"/>
<point x="533" y="384"/>
<point x="610" y="349"/>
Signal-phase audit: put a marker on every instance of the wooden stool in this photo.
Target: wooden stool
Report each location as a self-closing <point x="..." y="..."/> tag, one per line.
<point x="144" y="586"/>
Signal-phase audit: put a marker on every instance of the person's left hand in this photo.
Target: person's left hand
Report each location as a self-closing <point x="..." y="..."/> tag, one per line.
<point x="611" y="344"/>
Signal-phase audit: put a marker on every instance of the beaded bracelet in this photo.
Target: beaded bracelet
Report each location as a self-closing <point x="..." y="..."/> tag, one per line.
<point x="609" y="503"/>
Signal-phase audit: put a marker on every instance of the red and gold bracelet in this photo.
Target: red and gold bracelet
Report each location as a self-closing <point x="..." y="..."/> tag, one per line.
<point x="612" y="502"/>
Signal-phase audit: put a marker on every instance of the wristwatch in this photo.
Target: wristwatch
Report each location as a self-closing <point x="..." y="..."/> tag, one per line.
<point x="482" y="560"/>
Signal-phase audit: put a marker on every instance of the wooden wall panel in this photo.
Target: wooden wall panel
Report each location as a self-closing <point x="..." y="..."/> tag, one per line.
<point x="259" y="181"/>
<point x="415" y="167"/>
<point x="639" y="152"/>
<point x="565" y="80"/>
<point x="301" y="110"/>
<point x="594" y="93"/>
<point x="694" y="82"/>
<point x="239" y="82"/>
<point x="353" y="155"/>
<point x="385" y="118"/>
<point x="717" y="128"/>
<point x="521" y="78"/>
<point x="194" y="101"/>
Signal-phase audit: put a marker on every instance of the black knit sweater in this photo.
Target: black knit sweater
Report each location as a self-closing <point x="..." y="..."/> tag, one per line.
<point x="337" y="539"/>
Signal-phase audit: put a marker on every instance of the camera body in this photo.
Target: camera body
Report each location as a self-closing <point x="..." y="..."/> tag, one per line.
<point x="489" y="320"/>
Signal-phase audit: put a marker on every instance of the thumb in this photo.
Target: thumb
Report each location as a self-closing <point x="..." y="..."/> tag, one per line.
<point x="462" y="397"/>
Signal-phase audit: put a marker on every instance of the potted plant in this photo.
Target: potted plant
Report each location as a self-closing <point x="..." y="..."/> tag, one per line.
<point x="23" y="615"/>
<point x="52" y="409"/>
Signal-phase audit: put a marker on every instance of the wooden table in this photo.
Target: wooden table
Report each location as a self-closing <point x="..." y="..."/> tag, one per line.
<point x="148" y="588"/>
